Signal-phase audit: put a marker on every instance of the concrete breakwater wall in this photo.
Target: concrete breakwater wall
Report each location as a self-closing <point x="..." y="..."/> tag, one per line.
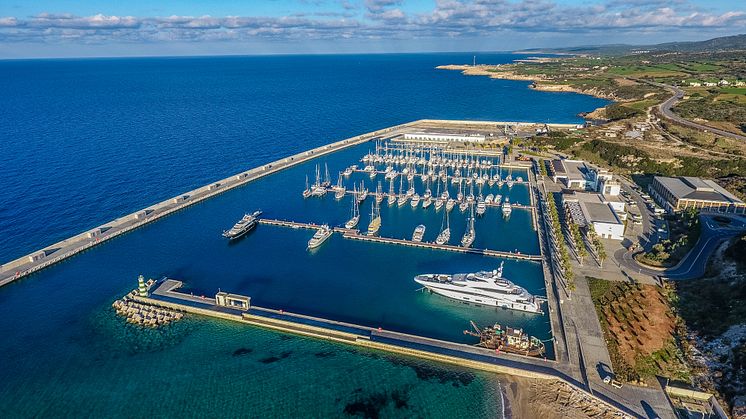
<point x="391" y="342"/>
<point x="64" y="249"/>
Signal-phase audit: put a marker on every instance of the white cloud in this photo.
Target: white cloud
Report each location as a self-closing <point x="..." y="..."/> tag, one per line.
<point x="382" y="19"/>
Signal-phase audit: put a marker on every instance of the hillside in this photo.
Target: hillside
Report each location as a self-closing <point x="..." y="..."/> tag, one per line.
<point x="725" y="43"/>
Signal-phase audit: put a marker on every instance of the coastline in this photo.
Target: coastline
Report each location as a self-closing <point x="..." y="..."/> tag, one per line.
<point x="537" y="83"/>
<point x="528" y="397"/>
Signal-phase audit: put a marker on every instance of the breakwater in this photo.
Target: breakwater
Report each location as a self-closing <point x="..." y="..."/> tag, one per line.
<point x="166" y="295"/>
<point x="72" y="246"/>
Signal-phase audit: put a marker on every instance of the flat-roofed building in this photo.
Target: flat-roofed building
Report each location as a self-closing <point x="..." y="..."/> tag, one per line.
<point x="442" y="137"/>
<point x="580" y="175"/>
<point x="679" y="193"/>
<point x="592" y="210"/>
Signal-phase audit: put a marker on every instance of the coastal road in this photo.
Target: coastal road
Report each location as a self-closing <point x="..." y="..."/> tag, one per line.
<point x="667" y="106"/>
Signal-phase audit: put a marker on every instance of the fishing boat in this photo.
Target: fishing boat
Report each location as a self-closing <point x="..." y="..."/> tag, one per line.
<point x="419" y="233"/>
<point x="243" y="226"/>
<point x="470" y="233"/>
<point x="445" y="233"/>
<point x="375" y="219"/>
<point x="321" y="235"/>
<point x="507" y="339"/>
<point x="355" y="215"/>
<point x="487" y="288"/>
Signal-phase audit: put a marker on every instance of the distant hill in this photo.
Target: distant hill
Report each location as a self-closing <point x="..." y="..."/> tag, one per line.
<point x="725" y="43"/>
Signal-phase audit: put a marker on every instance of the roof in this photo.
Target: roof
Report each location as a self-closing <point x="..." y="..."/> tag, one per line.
<point x="696" y="189"/>
<point x="599" y="213"/>
<point x="590" y="207"/>
<point x="572" y="169"/>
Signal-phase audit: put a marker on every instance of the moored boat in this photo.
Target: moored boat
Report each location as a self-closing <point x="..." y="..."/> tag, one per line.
<point x="419" y="233"/>
<point x="243" y="226"/>
<point x="507" y="339"/>
<point x="321" y="235"/>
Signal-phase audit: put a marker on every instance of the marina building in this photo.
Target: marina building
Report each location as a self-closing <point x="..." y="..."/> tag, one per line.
<point x="580" y="175"/>
<point x="679" y="193"/>
<point x="605" y="215"/>
<point x="441" y="137"/>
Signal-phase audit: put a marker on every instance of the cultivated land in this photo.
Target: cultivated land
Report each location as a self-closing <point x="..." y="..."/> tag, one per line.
<point x="680" y="110"/>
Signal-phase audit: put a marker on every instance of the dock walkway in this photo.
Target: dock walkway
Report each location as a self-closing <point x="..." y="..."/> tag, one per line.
<point x="357" y="235"/>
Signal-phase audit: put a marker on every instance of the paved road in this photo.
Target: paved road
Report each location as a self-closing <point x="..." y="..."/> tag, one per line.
<point x="693" y="266"/>
<point x="678" y="94"/>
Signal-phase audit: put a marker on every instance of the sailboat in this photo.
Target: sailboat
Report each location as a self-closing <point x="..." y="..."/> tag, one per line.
<point x="445" y="232"/>
<point x="355" y="216"/>
<point x="318" y="188"/>
<point x="379" y="193"/>
<point x="392" y="195"/>
<point x="327" y="180"/>
<point x="307" y="191"/>
<point x="470" y="233"/>
<point x="375" y="219"/>
<point x="402" y="196"/>
<point x="340" y="189"/>
<point x="439" y="200"/>
<point x="363" y="193"/>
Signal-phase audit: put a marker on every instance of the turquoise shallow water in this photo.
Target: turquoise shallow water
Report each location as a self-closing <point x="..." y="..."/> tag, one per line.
<point x="95" y="139"/>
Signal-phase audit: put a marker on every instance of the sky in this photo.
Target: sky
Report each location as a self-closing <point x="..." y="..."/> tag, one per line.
<point x="80" y="28"/>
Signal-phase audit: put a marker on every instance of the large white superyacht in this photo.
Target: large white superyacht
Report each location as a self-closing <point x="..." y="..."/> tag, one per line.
<point x="487" y="288"/>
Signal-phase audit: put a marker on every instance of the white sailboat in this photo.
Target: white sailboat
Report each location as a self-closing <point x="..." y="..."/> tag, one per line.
<point x="445" y="233"/>
<point x="470" y="233"/>
<point x="392" y="195"/>
<point x="355" y="215"/>
<point x="307" y="191"/>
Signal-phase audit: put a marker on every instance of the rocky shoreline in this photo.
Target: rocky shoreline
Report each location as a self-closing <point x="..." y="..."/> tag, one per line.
<point x="499" y="72"/>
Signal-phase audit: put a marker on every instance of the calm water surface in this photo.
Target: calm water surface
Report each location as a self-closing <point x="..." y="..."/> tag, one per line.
<point x="86" y="141"/>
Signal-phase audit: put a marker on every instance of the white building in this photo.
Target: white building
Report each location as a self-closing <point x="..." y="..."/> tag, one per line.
<point x="577" y="174"/>
<point x="591" y="210"/>
<point x="444" y="137"/>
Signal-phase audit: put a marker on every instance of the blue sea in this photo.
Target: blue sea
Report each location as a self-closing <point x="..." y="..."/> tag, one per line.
<point x="86" y="141"/>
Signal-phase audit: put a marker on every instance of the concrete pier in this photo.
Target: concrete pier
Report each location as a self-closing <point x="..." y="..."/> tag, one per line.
<point x="356" y="235"/>
<point x="167" y="295"/>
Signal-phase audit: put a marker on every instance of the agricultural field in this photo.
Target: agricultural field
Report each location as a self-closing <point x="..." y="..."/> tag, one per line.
<point x="640" y="330"/>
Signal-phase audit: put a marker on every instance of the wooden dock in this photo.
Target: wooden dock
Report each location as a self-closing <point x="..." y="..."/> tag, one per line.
<point x="357" y="235"/>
